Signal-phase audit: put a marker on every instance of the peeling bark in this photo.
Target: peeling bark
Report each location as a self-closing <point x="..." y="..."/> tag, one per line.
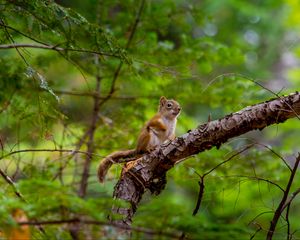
<point x="143" y="173"/>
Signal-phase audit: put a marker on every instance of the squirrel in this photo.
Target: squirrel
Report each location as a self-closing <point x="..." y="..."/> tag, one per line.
<point x="158" y="129"/>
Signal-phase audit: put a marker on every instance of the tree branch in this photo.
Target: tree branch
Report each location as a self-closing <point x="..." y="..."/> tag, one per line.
<point x="204" y="137"/>
<point x="129" y="41"/>
<point x="102" y="223"/>
<point x="43" y="150"/>
<point x="12" y="184"/>
<point x="200" y="195"/>
<point x="282" y="204"/>
<point x="90" y="143"/>
<point x="20" y="196"/>
<point x="53" y="47"/>
<point x="95" y="95"/>
<point x="201" y="181"/>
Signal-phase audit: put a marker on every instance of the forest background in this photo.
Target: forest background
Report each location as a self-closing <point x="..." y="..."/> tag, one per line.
<point x="79" y="79"/>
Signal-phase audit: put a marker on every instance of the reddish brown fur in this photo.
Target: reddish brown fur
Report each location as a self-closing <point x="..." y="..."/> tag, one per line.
<point x="158" y="129"/>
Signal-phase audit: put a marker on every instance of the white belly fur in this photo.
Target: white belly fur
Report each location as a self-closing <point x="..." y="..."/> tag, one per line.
<point x="158" y="137"/>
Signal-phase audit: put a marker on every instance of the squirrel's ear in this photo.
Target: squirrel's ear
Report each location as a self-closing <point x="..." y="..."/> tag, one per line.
<point x="162" y="100"/>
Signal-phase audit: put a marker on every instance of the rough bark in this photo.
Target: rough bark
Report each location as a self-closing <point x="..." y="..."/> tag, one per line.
<point x="144" y="172"/>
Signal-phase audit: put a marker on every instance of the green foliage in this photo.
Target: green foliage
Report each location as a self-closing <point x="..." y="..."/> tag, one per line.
<point x="55" y="25"/>
<point x="214" y="57"/>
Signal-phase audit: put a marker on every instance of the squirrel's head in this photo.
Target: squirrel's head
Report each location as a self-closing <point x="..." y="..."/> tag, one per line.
<point x="169" y="108"/>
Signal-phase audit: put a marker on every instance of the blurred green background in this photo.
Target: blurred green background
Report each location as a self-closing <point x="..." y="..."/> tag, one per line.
<point x="212" y="56"/>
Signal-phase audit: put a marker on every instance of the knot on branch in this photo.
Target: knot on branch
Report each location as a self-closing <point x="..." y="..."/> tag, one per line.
<point x="158" y="184"/>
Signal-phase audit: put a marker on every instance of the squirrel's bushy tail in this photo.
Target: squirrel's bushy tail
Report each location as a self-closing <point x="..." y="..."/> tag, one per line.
<point x="115" y="157"/>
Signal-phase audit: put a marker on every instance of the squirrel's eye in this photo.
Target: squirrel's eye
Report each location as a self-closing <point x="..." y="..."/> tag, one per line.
<point x="169" y="105"/>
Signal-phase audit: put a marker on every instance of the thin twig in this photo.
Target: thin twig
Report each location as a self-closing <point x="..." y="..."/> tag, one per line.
<point x="44" y="150"/>
<point x="77" y="147"/>
<point x="282" y="203"/>
<point x="9" y="37"/>
<point x="129" y="41"/>
<point x="288" y="229"/>
<point x="257" y="230"/>
<point x="260" y="214"/>
<point x="201" y="181"/>
<point x="20" y="196"/>
<point x="258" y="84"/>
<point x="21" y="33"/>
<point x="275" y="153"/>
<point x="12" y="184"/>
<point x="227" y="160"/>
<point x="294" y="194"/>
<point x="55" y="48"/>
<point x="91" y="94"/>
<point x="259" y="179"/>
<point x="200" y="195"/>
